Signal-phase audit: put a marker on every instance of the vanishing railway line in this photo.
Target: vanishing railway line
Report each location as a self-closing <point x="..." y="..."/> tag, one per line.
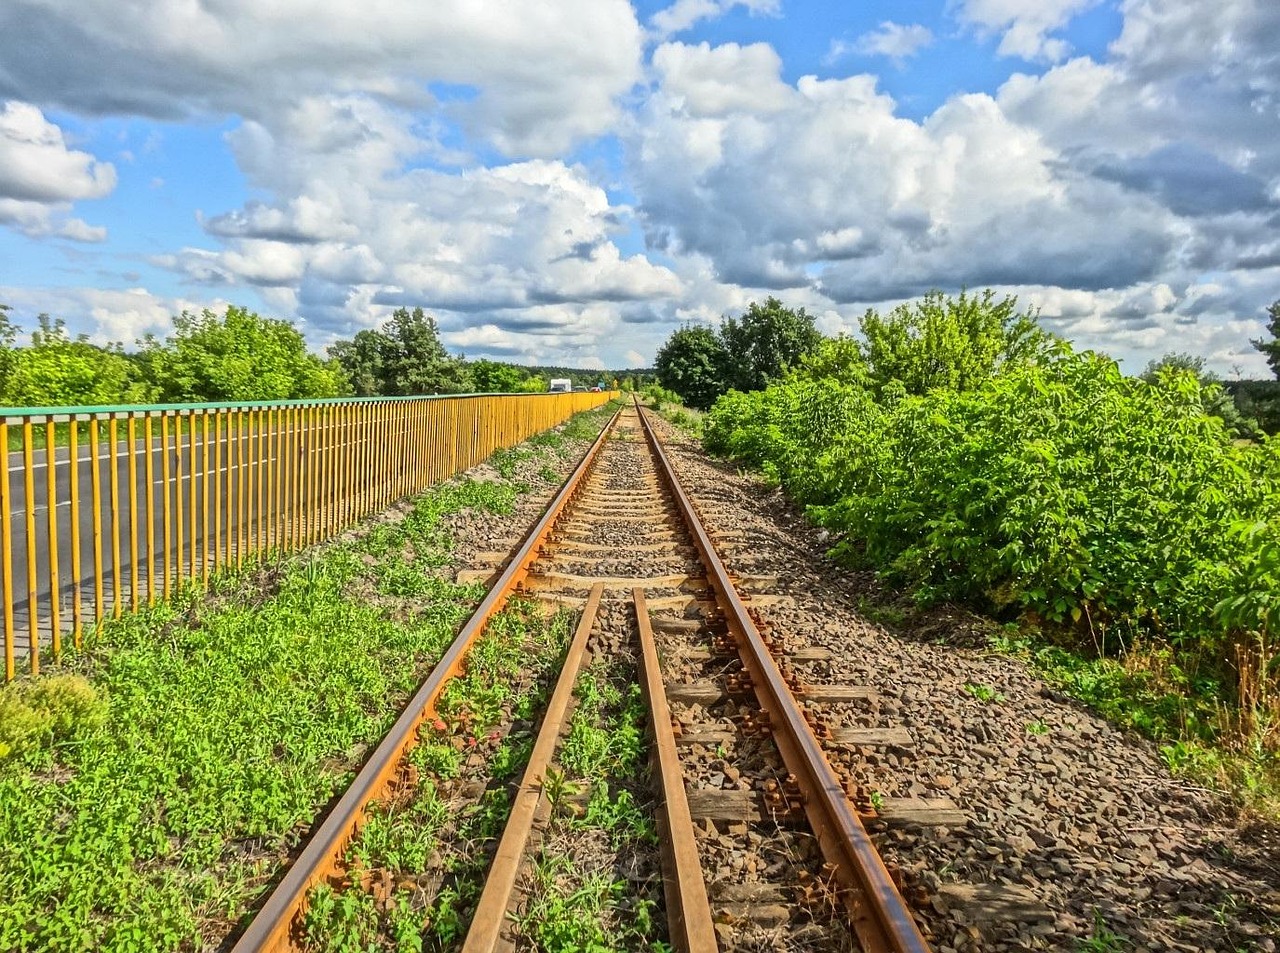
<point x="759" y="831"/>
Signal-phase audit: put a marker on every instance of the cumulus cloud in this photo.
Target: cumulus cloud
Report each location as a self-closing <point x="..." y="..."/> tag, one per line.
<point x="1024" y="26"/>
<point x="40" y="177"/>
<point x="358" y="231"/>
<point x="822" y="184"/>
<point x="538" y="77"/>
<point x="1088" y="188"/>
<point x="894" y="40"/>
<point x="684" y="14"/>
<point x="106" y="316"/>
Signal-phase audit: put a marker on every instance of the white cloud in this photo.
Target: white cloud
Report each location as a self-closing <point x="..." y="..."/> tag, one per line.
<point x="40" y="177"/>
<point x="684" y="14"/>
<point x="894" y="40"/>
<point x="37" y="166"/>
<point x="708" y="81"/>
<point x="1024" y="25"/>
<point x="355" y="233"/>
<point x="535" y="77"/>
<point x="105" y="316"/>
<point x="821" y="191"/>
<point x="824" y="174"/>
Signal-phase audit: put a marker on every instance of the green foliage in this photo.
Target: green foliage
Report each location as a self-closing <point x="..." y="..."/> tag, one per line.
<point x="839" y="359"/>
<point x="953" y="343"/>
<point x="1271" y="348"/>
<point x="765" y="343"/>
<point x="1257" y="401"/>
<point x="238" y="356"/>
<point x="691" y="364"/>
<point x="58" y="371"/>
<point x="1214" y="397"/>
<point x="492" y="377"/>
<point x="1063" y="489"/>
<point x="699" y="364"/>
<point x="201" y="726"/>
<point x="46" y="711"/>
<point x="798" y="433"/>
<point x="984" y="693"/>
<point x="403" y="358"/>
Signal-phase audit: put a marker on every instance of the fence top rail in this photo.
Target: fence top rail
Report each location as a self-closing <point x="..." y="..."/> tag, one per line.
<point x="11" y="415"/>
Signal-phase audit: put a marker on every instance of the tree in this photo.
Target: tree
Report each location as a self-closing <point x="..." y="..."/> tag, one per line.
<point x="239" y="356"/>
<point x="8" y="334"/>
<point x="835" y="359"/>
<point x="415" y="361"/>
<point x="1213" y="396"/>
<point x="1271" y="348"/>
<point x="691" y="363"/>
<point x="402" y="358"/>
<point x="361" y="360"/>
<point x="492" y="377"/>
<point x="954" y="343"/>
<point x="764" y="343"/>
<point x="57" y="371"/>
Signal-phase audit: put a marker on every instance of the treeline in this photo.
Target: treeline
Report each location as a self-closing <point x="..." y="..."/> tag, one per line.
<point x="242" y="356"/>
<point x="966" y="454"/>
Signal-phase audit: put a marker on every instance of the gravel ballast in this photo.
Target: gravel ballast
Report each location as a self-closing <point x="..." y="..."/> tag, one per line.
<point x="1077" y="823"/>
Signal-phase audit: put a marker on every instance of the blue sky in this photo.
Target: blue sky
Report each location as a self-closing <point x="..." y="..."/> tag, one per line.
<point x="568" y="181"/>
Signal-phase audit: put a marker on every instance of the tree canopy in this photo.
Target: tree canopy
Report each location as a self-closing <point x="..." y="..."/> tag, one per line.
<point x="700" y="363"/>
<point x="1271" y="348"/>
<point x="58" y="371"/>
<point x="402" y="358"/>
<point x="237" y="356"/>
<point x="691" y="363"/>
<point x="767" y="341"/>
<point x="952" y="342"/>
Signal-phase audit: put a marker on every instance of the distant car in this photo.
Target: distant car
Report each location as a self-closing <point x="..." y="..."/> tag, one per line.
<point x="597" y="389"/>
<point x="559" y="385"/>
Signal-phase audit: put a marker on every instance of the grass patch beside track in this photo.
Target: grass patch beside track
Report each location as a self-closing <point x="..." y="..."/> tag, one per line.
<point x="415" y="871"/>
<point x="151" y="787"/>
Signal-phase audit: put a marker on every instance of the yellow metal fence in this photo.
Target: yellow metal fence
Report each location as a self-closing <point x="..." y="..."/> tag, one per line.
<point x="137" y="501"/>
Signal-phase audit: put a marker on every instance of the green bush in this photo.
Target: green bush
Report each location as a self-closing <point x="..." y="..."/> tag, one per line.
<point x="1061" y="489"/>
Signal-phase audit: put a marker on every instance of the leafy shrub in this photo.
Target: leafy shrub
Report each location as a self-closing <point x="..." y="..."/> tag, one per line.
<point x="1062" y="489"/>
<point x="794" y="432"/>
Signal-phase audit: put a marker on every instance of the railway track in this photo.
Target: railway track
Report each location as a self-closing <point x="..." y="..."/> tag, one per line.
<point x="743" y="831"/>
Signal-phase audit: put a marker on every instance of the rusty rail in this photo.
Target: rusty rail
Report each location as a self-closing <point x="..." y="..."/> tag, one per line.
<point x="688" y="910"/>
<point x="321" y="858"/>
<point x="880" y="917"/>
<point x="495" y="900"/>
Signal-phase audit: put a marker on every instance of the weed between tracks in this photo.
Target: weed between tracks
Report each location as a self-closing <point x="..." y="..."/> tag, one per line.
<point x="155" y="784"/>
<point x="415" y="871"/>
<point x="595" y="883"/>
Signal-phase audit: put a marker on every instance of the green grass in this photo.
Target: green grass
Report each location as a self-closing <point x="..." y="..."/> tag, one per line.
<point x="1147" y="690"/>
<point x="227" y="726"/>
<point x="602" y="756"/>
<point x="429" y="829"/>
<point x="571" y="920"/>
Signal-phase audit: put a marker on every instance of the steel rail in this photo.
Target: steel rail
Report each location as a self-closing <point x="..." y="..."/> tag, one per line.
<point x="270" y="929"/>
<point x="880" y="916"/>
<point x="491" y="911"/>
<point x="688" y="910"/>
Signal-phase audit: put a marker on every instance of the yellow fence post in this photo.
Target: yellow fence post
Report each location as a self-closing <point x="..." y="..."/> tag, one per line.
<point x="51" y="501"/>
<point x="6" y="526"/>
